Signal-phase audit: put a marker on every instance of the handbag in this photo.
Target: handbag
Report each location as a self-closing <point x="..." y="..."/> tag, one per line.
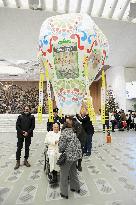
<point x="62" y="158"/>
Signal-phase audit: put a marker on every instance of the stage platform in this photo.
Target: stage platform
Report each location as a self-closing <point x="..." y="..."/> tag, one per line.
<point x="8" y="123"/>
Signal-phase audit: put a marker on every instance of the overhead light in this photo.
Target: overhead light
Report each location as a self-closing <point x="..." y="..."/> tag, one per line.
<point x="13" y="75"/>
<point x="22" y="62"/>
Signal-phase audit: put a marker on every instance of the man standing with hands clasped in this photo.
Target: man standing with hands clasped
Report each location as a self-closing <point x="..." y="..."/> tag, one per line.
<point x="25" y="125"/>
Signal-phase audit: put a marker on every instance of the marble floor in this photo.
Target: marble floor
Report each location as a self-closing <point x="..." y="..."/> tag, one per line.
<point x="108" y="176"/>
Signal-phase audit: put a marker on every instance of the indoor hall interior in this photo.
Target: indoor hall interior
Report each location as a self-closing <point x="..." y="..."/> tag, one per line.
<point x="108" y="175"/>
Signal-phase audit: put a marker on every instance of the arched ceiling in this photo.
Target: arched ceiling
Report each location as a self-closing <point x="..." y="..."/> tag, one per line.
<point x="19" y="30"/>
<point x="109" y="9"/>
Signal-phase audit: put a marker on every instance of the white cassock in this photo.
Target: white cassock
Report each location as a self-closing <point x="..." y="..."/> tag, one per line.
<point x="53" y="152"/>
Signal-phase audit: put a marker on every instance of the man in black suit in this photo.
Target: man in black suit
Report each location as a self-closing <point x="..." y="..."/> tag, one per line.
<point x="25" y="125"/>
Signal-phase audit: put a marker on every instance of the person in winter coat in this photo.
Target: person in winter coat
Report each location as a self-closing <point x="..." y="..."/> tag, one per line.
<point x="89" y="129"/>
<point x="70" y="144"/>
<point x="25" y="125"/>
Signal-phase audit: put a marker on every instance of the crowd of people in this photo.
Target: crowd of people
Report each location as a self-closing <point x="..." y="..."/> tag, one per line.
<point x="68" y="139"/>
<point x="71" y="135"/>
<point x="14" y="97"/>
<point x="121" y="120"/>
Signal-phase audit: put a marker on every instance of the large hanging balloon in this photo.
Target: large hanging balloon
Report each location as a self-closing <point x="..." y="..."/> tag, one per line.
<point x="73" y="50"/>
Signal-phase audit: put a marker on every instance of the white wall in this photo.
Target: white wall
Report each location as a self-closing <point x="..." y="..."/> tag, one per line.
<point x="130" y="75"/>
<point x="130" y="104"/>
<point x="115" y="77"/>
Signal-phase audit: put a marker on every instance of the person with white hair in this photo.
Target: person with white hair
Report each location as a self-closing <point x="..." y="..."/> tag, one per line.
<point x="51" y="141"/>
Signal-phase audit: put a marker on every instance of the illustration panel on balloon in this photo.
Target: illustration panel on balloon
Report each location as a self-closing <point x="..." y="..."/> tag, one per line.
<point x="66" y="60"/>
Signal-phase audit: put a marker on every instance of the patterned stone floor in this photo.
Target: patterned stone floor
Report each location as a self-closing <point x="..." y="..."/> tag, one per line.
<point x="108" y="177"/>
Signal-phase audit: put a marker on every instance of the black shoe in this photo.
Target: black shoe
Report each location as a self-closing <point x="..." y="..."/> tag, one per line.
<point x="88" y="154"/>
<point x="52" y="182"/>
<point x="73" y="190"/>
<point x="26" y="163"/>
<point x="79" y="168"/>
<point x="55" y="178"/>
<point x="50" y="178"/>
<point x="17" y="165"/>
<point x="63" y="196"/>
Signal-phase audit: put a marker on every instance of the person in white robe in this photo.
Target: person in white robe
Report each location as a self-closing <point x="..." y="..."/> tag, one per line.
<point x="51" y="141"/>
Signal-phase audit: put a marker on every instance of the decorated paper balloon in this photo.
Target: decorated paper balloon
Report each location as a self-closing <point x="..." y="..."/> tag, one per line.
<point x="73" y="50"/>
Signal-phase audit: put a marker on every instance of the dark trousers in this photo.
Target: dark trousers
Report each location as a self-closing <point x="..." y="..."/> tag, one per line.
<point x="135" y="126"/>
<point x="80" y="160"/>
<point x="128" y="125"/>
<point x="20" y="146"/>
<point x="131" y="125"/>
<point x="113" y="125"/>
<point x="88" y="144"/>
